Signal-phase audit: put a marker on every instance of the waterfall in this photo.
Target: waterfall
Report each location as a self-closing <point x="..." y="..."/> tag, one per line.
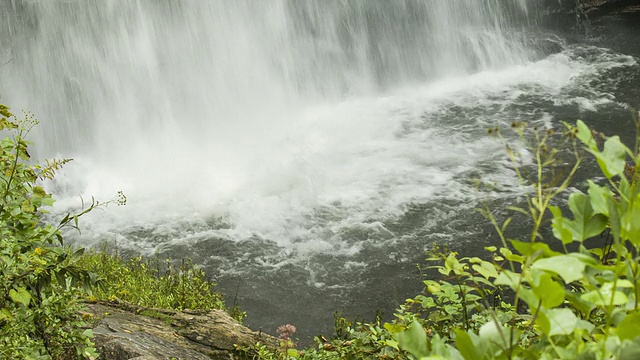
<point x="111" y="76"/>
<point x="273" y="142"/>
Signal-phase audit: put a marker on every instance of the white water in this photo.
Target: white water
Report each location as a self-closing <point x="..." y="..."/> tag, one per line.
<point x="255" y="110"/>
<point x="361" y="159"/>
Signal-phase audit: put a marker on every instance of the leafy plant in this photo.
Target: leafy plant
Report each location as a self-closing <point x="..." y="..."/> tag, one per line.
<point x="41" y="278"/>
<point x="567" y="304"/>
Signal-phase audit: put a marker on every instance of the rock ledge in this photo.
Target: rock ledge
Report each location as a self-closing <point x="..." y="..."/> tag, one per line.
<point x="127" y="332"/>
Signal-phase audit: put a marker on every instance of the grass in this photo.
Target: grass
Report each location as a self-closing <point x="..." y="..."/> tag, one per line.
<point x="154" y="283"/>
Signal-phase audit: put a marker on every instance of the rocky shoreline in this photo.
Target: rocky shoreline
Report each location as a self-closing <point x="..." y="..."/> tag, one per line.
<point x="124" y="331"/>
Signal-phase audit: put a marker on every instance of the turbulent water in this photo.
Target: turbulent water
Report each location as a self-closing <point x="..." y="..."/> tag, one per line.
<point x="305" y="153"/>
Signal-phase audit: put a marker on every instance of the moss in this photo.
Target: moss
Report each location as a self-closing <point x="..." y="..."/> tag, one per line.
<point x="157" y="315"/>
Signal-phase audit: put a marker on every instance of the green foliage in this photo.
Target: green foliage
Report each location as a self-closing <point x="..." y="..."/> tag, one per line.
<point x="154" y="284"/>
<point x="41" y="279"/>
<point x="352" y="341"/>
<point x="565" y="305"/>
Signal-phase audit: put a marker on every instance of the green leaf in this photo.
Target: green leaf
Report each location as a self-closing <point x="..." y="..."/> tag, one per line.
<point x="599" y="196"/>
<point x="432" y="286"/>
<point x="595" y="226"/>
<point x="441" y="350"/>
<point x="451" y="264"/>
<point x="529" y="297"/>
<point x="558" y="321"/>
<point x="394" y="328"/>
<point x="508" y="278"/>
<point x="21" y="296"/>
<point x="61" y="278"/>
<point x="614" y="218"/>
<point x="512" y="280"/>
<point x="16" y="211"/>
<point x="490" y="332"/>
<point x="585" y="135"/>
<point x="414" y="340"/>
<point x="4" y="111"/>
<point x="5" y="315"/>
<point x="585" y="325"/>
<point x="585" y="225"/>
<point x="78" y="253"/>
<point x="292" y="352"/>
<point x="630" y="222"/>
<point x="624" y="190"/>
<point x="568" y="267"/>
<point x="509" y="255"/>
<point x="486" y="269"/>
<point x="624" y="283"/>
<point x="631" y="352"/>
<point x="48" y="200"/>
<point x="550" y="292"/>
<point x="606" y="296"/>
<point x="392" y="343"/>
<point x="528" y="248"/>
<point x="465" y="345"/>
<point x="39" y="191"/>
<point x="560" y="226"/>
<point x="629" y="328"/>
<point x="612" y="159"/>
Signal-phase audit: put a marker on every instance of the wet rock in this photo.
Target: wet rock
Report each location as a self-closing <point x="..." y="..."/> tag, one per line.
<point x="577" y="15"/>
<point x="127" y="332"/>
<point x="602" y="7"/>
<point x="550" y="46"/>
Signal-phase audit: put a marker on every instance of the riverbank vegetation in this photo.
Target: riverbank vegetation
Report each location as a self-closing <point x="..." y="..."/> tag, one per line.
<point x="570" y="290"/>
<point x="44" y="282"/>
<point x="153" y="283"/>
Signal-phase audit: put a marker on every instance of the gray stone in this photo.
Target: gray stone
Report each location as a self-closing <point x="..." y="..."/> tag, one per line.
<point x="127" y="332"/>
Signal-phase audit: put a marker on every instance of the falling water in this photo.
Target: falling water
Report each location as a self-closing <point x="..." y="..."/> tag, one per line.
<point x="112" y="74"/>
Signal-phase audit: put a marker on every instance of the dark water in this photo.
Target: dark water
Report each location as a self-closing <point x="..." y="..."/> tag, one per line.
<point x="304" y="154"/>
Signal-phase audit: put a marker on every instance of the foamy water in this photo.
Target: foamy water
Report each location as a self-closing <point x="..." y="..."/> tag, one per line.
<point x="359" y="159"/>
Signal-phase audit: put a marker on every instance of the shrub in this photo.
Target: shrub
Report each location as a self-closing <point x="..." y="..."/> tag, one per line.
<point x="566" y="304"/>
<point x="40" y="277"/>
